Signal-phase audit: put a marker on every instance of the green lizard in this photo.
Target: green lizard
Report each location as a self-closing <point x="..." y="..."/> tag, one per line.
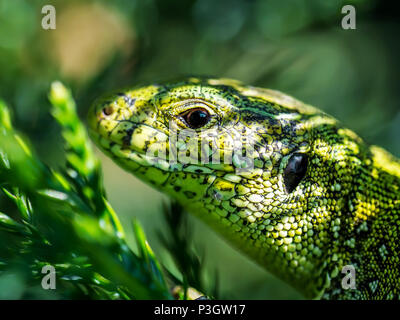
<point x="280" y="180"/>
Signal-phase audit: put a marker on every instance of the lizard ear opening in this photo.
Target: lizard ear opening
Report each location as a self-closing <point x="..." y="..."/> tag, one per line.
<point x="295" y="171"/>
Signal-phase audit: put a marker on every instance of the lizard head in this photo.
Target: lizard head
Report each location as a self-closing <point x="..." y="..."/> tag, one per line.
<point x="254" y="164"/>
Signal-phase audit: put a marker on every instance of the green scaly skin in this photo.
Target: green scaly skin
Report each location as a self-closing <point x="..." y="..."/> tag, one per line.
<point x="344" y="211"/>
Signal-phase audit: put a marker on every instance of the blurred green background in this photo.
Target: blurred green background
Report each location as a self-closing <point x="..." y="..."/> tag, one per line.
<point x="295" y="46"/>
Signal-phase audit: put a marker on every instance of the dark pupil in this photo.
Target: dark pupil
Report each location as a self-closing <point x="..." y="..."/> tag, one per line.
<point x="295" y="171"/>
<point x="197" y="118"/>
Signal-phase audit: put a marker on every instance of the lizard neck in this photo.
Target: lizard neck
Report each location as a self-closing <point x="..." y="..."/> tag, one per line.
<point x="359" y="229"/>
<point x="370" y="244"/>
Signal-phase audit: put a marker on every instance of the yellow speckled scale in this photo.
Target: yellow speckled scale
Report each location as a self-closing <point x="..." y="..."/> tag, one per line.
<point x="281" y="180"/>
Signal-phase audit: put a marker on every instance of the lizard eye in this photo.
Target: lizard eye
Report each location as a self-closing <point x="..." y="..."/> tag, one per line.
<point x="295" y="171"/>
<point x="196" y="118"/>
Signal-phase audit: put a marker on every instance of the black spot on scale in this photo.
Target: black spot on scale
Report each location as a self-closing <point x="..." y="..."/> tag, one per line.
<point x="254" y="117"/>
<point x="226" y="189"/>
<point x="130" y="101"/>
<point x="288" y="127"/>
<point x="126" y="140"/>
<point x="146" y="145"/>
<point x="177" y="188"/>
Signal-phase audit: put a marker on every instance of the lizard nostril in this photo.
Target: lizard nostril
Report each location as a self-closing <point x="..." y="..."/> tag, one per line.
<point x="108" y="110"/>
